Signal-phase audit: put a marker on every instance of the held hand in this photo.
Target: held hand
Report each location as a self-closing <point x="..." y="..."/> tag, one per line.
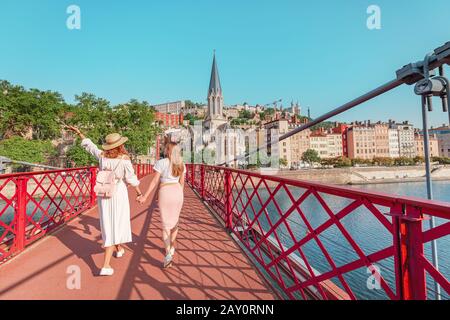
<point x="141" y="199"/>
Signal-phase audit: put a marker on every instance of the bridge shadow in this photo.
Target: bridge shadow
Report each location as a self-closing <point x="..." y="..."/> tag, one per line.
<point x="207" y="264"/>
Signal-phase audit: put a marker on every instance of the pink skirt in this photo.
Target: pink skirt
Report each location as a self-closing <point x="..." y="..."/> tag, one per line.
<point x="170" y="201"/>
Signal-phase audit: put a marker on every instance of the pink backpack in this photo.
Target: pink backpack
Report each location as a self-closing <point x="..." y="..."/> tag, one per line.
<point x="105" y="184"/>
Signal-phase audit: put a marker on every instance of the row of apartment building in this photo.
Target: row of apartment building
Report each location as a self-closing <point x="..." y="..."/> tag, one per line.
<point x="362" y="140"/>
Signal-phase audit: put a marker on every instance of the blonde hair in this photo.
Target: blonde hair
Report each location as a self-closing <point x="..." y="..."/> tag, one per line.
<point x="173" y="152"/>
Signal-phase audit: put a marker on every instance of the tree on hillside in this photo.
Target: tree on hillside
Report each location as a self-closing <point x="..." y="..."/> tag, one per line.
<point x="310" y="156"/>
<point x="283" y="162"/>
<point x="323" y="125"/>
<point x="20" y="149"/>
<point x="92" y="115"/>
<point x="135" y="120"/>
<point x="32" y="114"/>
<point x="192" y="105"/>
<point x="37" y="116"/>
<point x="246" y="114"/>
<point x="80" y="157"/>
<point x="191" y="118"/>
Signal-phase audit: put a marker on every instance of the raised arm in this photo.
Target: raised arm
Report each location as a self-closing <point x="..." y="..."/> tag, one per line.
<point x="90" y="147"/>
<point x="86" y="143"/>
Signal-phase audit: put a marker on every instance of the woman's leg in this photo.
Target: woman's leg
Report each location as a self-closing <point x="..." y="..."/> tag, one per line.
<point x="166" y="239"/>
<point x="173" y="236"/>
<point x="108" y="254"/>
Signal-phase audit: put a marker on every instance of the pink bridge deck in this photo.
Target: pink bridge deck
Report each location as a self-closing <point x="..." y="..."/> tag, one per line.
<point x="207" y="265"/>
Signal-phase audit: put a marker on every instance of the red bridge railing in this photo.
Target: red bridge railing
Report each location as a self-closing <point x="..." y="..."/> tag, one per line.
<point x="34" y="203"/>
<point x="316" y="241"/>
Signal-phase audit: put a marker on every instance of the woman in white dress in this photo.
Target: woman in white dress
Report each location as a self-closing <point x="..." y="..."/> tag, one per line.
<point x="170" y="171"/>
<point x="115" y="222"/>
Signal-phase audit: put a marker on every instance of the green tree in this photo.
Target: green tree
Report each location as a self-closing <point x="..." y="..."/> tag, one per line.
<point x="383" y="161"/>
<point x="359" y="161"/>
<point x="191" y="118"/>
<point x="135" y="120"/>
<point x="92" y="115"/>
<point x="310" y="156"/>
<point x="29" y="113"/>
<point x="80" y="157"/>
<point x="245" y="114"/>
<point x="337" y="162"/>
<point x="20" y="149"/>
<point x="324" y="125"/>
<point x="404" y="161"/>
<point x="283" y="162"/>
<point x="441" y="160"/>
<point x="419" y="160"/>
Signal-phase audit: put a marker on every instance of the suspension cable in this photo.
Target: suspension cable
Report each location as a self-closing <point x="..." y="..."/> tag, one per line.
<point x="409" y="74"/>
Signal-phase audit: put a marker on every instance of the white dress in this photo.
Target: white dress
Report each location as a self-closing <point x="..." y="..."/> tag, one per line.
<point x="114" y="212"/>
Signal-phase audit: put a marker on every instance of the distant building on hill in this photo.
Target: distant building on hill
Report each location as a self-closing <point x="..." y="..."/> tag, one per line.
<point x="443" y="136"/>
<point x="434" y="145"/>
<point x="170" y="120"/>
<point x="176" y="107"/>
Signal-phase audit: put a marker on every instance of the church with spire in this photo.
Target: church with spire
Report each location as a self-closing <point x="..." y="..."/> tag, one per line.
<point x="214" y="113"/>
<point x="218" y="136"/>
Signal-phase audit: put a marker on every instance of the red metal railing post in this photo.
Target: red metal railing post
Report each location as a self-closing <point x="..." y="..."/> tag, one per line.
<point x="157" y="147"/>
<point x="228" y="199"/>
<point x="202" y="181"/>
<point x="138" y="171"/>
<point x="21" y="213"/>
<point x="193" y="176"/>
<point x="93" y="178"/>
<point x="412" y="272"/>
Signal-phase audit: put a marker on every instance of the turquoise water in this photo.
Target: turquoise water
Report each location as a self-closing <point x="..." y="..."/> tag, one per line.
<point x="370" y="235"/>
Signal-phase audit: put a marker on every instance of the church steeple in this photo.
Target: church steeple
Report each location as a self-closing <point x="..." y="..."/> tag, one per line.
<point x="215" y="98"/>
<point x="214" y="82"/>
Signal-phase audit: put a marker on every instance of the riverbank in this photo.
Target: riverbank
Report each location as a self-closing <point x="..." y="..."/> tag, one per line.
<point x="366" y="175"/>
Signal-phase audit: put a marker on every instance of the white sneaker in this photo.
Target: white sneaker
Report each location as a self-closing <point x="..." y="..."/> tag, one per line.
<point x="172" y="251"/>
<point x="120" y="253"/>
<point x="107" y="272"/>
<point x="168" y="261"/>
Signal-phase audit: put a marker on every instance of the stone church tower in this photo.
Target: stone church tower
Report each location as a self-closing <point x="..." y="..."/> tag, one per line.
<point x="214" y="114"/>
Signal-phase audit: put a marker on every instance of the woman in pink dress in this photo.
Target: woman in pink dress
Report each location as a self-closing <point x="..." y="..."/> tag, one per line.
<point x="170" y="171"/>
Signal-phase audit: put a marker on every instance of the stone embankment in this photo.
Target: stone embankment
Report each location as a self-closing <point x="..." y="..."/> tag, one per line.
<point x="366" y="175"/>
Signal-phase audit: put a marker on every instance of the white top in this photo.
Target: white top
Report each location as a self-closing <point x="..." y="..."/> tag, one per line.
<point x="123" y="168"/>
<point x="163" y="167"/>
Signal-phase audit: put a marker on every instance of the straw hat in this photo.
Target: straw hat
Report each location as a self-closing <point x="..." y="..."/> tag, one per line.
<point x="114" y="140"/>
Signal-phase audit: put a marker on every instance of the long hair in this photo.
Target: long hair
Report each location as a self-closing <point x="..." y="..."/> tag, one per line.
<point x="116" y="152"/>
<point x="173" y="152"/>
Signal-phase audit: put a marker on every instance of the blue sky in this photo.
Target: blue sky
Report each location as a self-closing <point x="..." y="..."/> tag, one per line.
<point x="320" y="53"/>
